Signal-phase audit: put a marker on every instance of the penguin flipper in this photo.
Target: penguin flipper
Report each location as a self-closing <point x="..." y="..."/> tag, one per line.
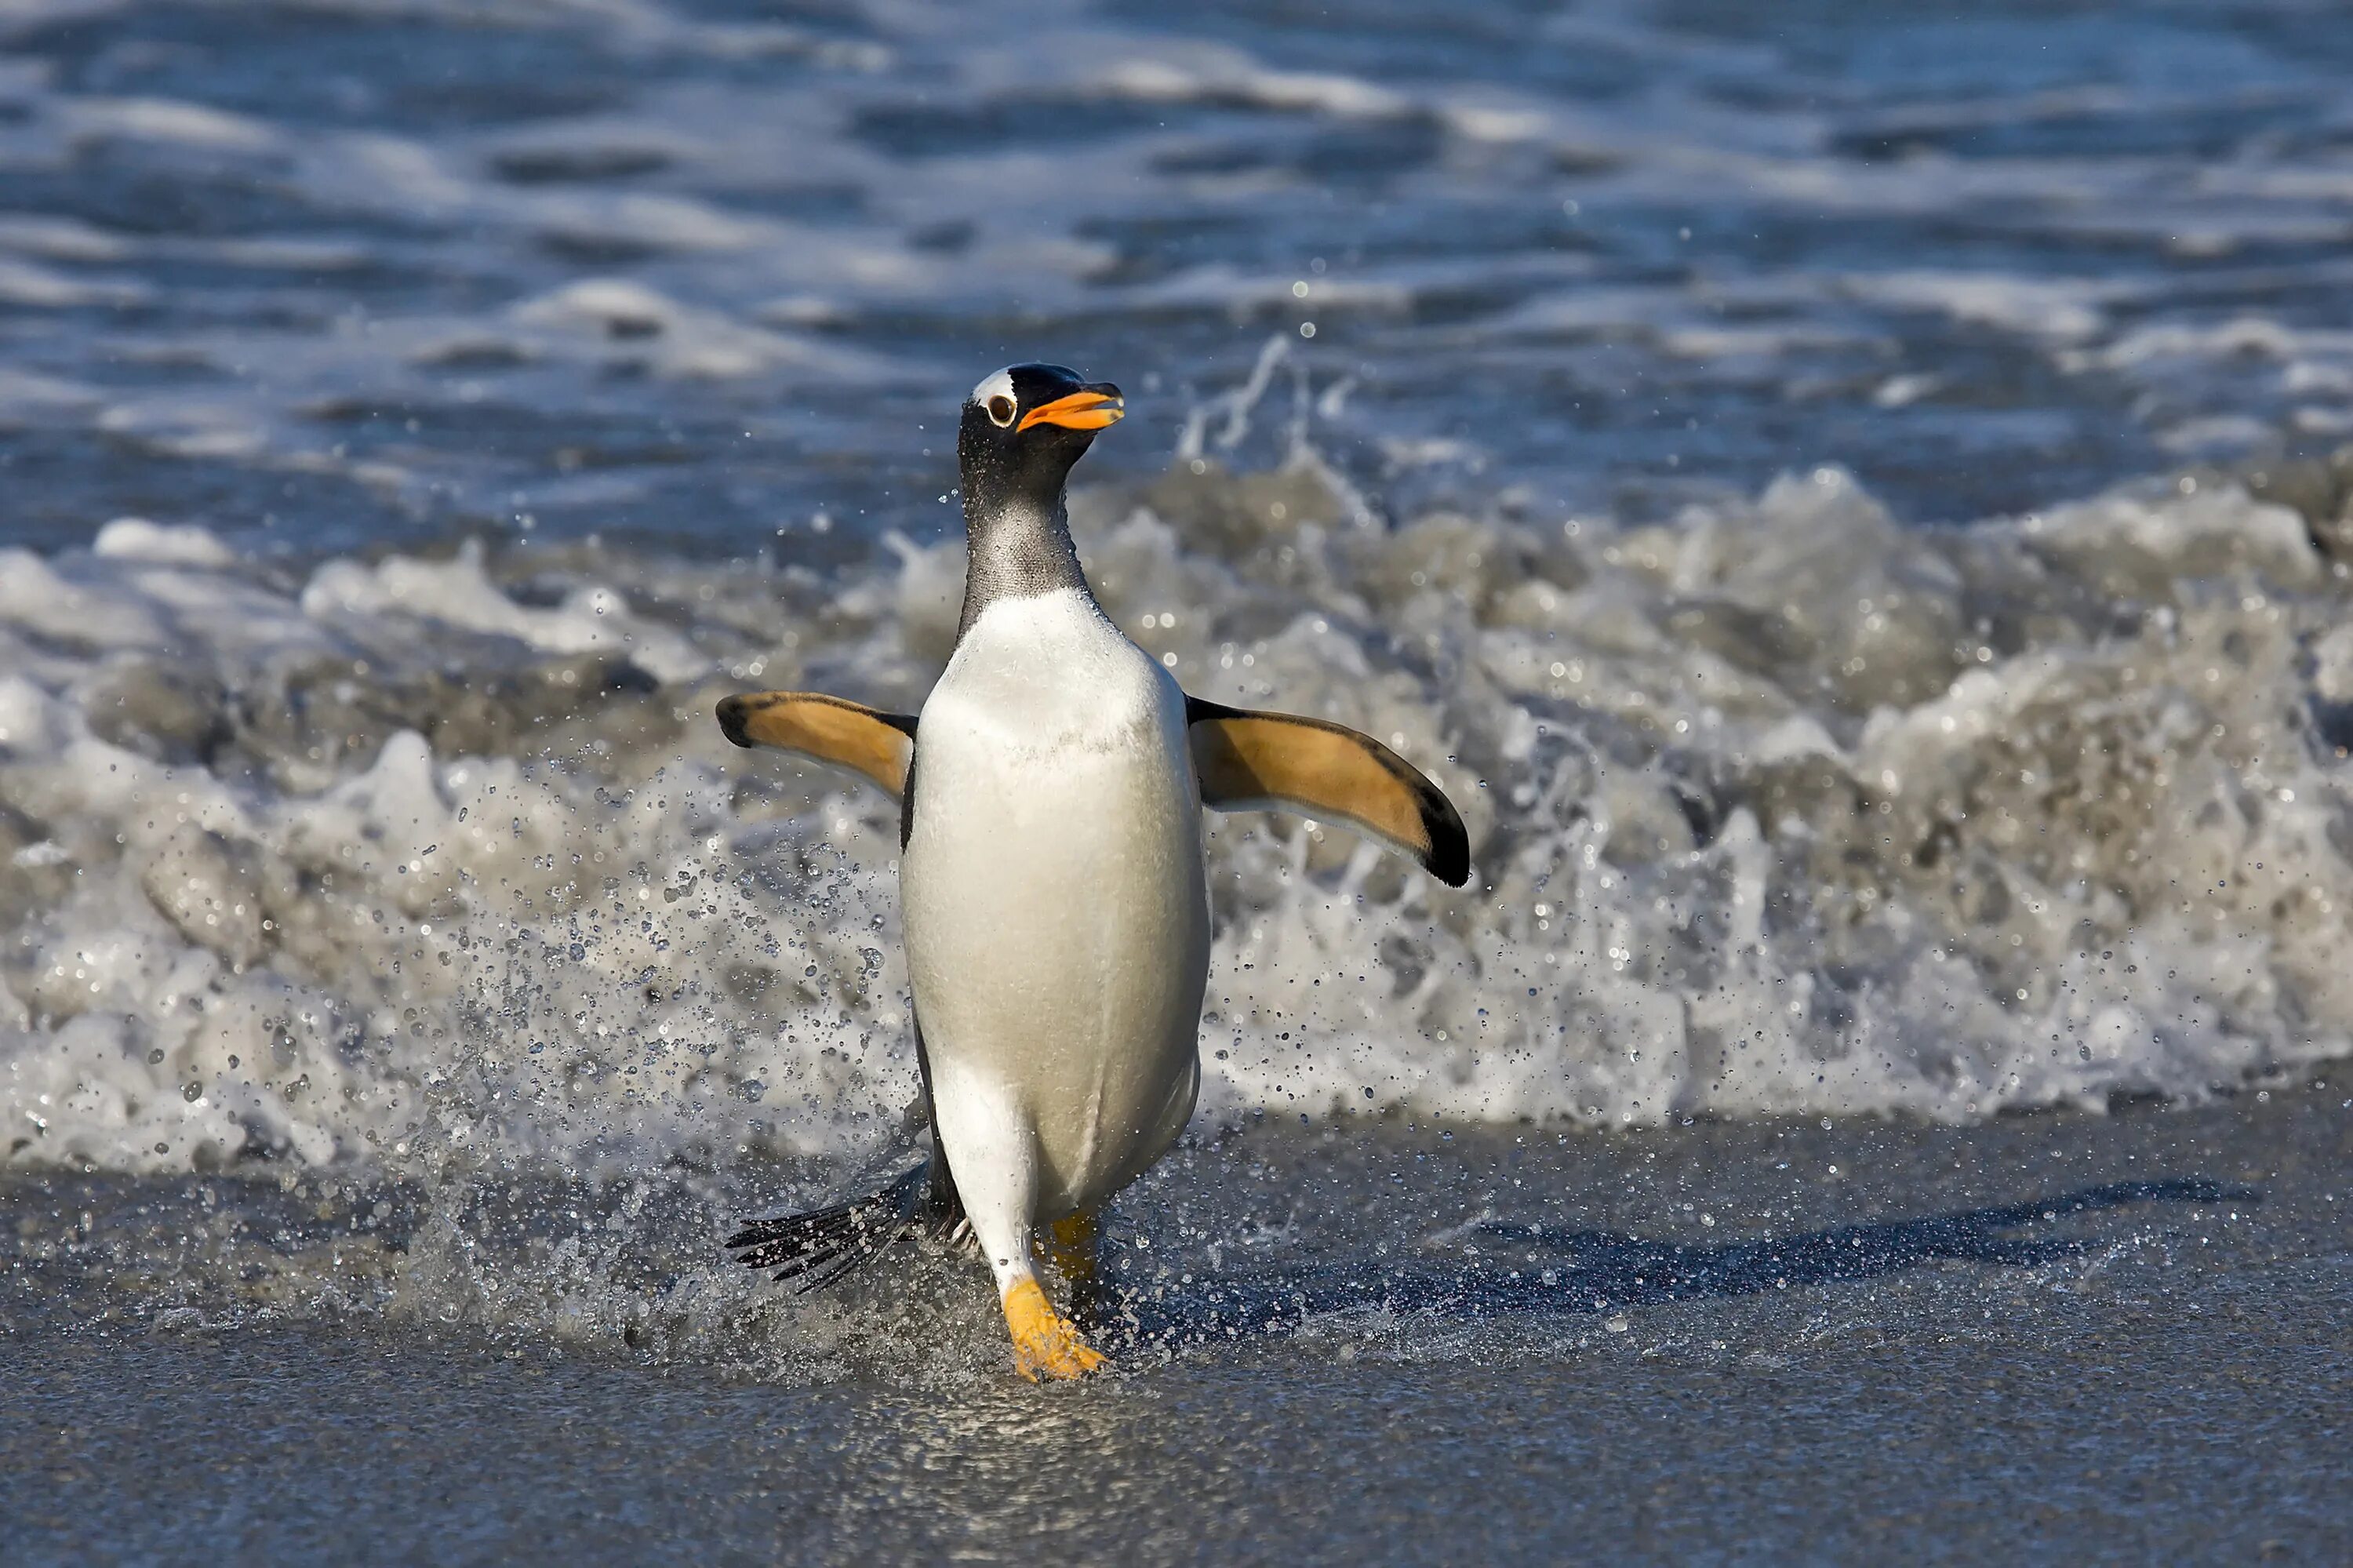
<point x="1256" y="761"/>
<point x="847" y="735"/>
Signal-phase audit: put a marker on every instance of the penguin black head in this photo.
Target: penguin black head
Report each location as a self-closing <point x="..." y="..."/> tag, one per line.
<point x="1021" y="431"/>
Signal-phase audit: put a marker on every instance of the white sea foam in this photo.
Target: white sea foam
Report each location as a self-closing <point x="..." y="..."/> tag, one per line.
<point x="2062" y="311"/>
<point x="189" y="125"/>
<point x="1777" y="807"/>
<point x="458" y="593"/>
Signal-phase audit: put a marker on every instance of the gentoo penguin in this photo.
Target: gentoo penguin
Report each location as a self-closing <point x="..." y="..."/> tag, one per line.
<point x="1051" y="880"/>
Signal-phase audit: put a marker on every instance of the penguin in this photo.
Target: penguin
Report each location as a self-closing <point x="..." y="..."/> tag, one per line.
<point x="1052" y="888"/>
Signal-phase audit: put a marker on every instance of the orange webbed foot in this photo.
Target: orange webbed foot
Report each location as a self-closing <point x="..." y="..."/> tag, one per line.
<point x="1045" y="1345"/>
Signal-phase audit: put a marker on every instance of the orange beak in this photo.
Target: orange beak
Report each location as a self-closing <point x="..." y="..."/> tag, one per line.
<point x="1091" y="409"/>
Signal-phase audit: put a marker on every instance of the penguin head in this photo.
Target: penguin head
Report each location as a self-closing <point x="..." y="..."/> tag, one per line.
<point x="1023" y="428"/>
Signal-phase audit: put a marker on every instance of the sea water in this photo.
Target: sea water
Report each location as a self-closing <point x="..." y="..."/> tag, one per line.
<point x="414" y="420"/>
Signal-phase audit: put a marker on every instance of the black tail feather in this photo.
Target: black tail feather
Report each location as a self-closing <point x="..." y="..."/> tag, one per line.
<point x="820" y="1247"/>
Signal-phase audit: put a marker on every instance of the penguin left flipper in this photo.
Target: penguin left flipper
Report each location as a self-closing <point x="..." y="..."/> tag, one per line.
<point x="1254" y="761"/>
<point x="845" y="734"/>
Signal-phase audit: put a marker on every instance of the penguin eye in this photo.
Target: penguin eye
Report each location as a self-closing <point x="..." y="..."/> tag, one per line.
<point x="1000" y="408"/>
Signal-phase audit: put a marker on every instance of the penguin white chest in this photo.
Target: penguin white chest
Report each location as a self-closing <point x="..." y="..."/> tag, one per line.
<point x="1056" y="911"/>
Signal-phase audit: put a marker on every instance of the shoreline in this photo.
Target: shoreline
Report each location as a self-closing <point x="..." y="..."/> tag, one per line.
<point x="2142" y="1370"/>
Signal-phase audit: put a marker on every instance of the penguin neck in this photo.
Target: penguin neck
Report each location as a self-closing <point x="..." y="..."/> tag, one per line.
<point x="1016" y="548"/>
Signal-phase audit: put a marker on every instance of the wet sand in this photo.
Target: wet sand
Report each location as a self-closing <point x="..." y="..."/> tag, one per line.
<point x="2121" y="1338"/>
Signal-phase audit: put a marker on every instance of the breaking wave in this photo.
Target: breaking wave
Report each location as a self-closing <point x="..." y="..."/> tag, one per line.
<point x="1779" y="806"/>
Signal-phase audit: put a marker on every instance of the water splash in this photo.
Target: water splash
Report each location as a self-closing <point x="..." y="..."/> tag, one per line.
<point x="1779" y="806"/>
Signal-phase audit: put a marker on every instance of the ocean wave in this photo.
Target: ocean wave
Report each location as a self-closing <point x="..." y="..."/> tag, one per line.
<point x="1779" y="806"/>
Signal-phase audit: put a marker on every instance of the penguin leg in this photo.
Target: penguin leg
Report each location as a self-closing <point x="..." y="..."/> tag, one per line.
<point x="990" y="1148"/>
<point x="1074" y="1246"/>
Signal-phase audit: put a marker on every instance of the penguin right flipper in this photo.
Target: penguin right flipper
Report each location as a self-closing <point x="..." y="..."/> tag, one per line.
<point x="865" y="740"/>
<point x="1254" y="761"/>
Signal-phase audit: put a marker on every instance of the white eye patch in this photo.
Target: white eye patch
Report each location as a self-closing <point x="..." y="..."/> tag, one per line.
<point x="997" y="386"/>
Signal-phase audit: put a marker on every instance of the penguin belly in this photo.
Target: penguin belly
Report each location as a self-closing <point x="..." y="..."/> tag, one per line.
<point x="1056" y="909"/>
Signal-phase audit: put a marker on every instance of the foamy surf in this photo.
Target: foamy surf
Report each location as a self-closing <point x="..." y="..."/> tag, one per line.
<point x="1777" y="807"/>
